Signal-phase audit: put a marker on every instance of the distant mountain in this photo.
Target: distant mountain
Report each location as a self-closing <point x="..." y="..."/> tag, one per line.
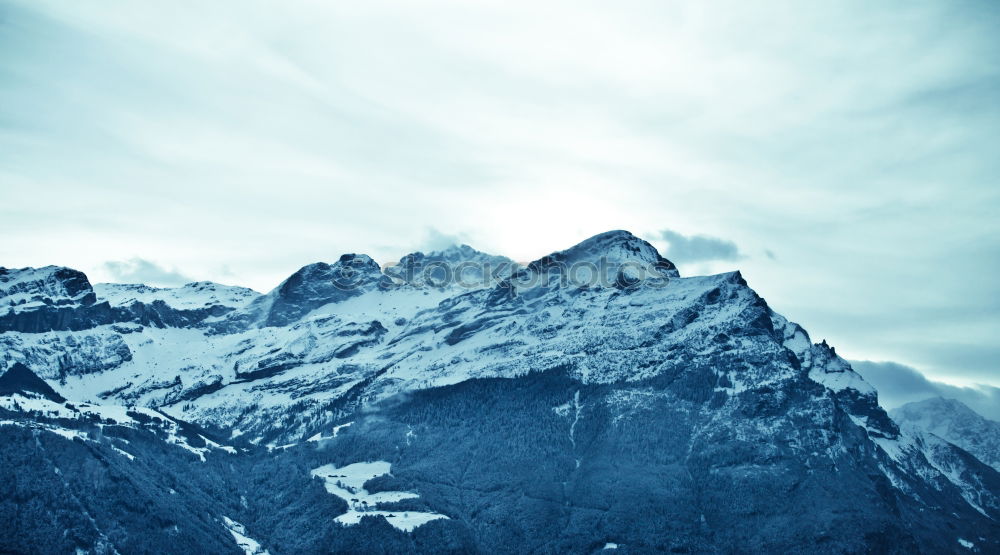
<point x="591" y="398"/>
<point x="954" y="422"/>
<point x="39" y="300"/>
<point x="196" y="295"/>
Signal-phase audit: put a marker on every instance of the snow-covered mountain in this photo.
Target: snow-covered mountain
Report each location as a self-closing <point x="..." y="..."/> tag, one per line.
<point x="199" y="294"/>
<point x="591" y="398"/>
<point x="34" y="288"/>
<point x="954" y="422"/>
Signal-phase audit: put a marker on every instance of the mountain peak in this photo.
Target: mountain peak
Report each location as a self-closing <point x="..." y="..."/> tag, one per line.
<point x="937" y="409"/>
<point x="31" y="288"/>
<point x="615" y="255"/>
<point x="457" y="264"/>
<point x="317" y="284"/>
<point x="462" y="250"/>
<point x="618" y="246"/>
<point x="321" y="273"/>
<point x="955" y="422"/>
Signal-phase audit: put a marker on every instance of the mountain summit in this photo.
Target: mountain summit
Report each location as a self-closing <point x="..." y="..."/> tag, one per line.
<point x="954" y="422"/>
<point x="617" y="247"/>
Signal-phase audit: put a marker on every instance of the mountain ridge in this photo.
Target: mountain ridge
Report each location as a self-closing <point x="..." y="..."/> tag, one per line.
<point x="558" y="374"/>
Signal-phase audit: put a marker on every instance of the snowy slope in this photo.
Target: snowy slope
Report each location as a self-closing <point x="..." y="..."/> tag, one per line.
<point x="74" y="420"/>
<point x="199" y="294"/>
<point x="954" y="422"/>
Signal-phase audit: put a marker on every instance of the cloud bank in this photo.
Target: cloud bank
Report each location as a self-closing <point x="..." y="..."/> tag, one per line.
<point x="138" y="270"/>
<point x="898" y="384"/>
<point x="698" y="248"/>
<point x="436" y="240"/>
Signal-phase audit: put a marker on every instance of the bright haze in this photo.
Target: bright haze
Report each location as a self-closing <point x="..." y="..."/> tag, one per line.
<point x="842" y="155"/>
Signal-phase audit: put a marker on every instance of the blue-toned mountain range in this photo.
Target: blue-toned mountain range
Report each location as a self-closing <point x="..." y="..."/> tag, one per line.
<point x="590" y="400"/>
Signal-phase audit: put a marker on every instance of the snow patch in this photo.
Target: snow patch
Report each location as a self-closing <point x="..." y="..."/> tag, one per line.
<point x="249" y="545"/>
<point x="130" y="456"/>
<point x="336" y="430"/>
<point x="347" y="483"/>
<point x="839" y="381"/>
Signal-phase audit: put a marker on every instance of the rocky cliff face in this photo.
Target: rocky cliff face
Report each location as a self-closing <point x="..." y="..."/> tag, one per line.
<point x="591" y="397"/>
<point x="51" y="299"/>
<point x="33" y="288"/>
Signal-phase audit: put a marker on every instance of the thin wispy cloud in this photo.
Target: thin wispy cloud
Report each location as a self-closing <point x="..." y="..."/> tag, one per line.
<point x="439" y="241"/>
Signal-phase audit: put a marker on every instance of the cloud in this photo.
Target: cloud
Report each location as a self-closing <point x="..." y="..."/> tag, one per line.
<point x="439" y="241"/>
<point x="139" y="270"/>
<point x="685" y="249"/>
<point x="898" y="384"/>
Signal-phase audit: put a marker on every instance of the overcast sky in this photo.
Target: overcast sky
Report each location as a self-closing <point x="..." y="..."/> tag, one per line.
<point x="843" y="155"/>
